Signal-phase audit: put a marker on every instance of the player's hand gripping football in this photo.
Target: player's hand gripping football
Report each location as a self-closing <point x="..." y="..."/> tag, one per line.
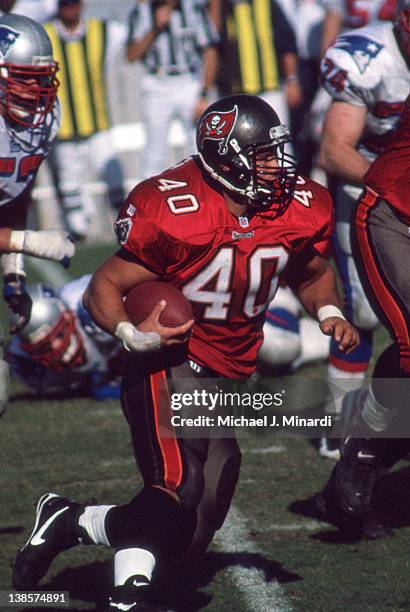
<point x="150" y="335"/>
<point x="342" y="331"/>
<point x="168" y="335"/>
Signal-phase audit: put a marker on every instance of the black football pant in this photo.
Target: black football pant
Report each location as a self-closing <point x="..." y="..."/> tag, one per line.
<point x="381" y="247"/>
<point x="201" y="471"/>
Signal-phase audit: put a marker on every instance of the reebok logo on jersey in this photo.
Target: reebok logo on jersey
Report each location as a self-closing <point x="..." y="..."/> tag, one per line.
<point x="238" y="235"/>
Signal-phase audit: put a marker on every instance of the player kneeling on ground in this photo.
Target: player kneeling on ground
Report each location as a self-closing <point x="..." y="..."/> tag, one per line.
<point x="223" y="226"/>
<point x="60" y="349"/>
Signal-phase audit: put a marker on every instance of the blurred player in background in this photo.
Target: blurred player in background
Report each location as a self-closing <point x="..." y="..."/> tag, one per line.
<point x="350" y="14"/>
<point x="49" y="244"/>
<point x="340" y="16"/>
<point x="29" y="121"/>
<point x="39" y="10"/>
<point x="176" y="42"/>
<point x="223" y="226"/>
<point x="381" y="244"/>
<point x="290" y="340"/>
<point x="258" y="60"/>
<point x="306" y="18"/>
<point x="60" y="349"/>
<point x="366" y="71"/>
<point x="88" y="51"/>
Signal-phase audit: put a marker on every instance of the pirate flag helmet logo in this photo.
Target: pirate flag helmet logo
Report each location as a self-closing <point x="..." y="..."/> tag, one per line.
<point x="218" y="126"/>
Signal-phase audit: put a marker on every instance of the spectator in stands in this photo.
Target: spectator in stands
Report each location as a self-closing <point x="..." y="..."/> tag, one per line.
<point x="86" y="50"/>
<point x="259" y="61"/>
<point x="177" y="43"/>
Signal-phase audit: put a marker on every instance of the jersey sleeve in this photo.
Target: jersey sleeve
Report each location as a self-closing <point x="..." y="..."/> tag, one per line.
<point x="140" y="234"/>
<point x="349" y="71"/>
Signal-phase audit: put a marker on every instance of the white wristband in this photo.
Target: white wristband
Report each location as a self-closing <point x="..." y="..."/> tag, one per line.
<point x="17" y="241"/>
<point x="330" y="310"/>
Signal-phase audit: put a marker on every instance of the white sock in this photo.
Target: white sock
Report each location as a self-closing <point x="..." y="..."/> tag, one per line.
<point x="93" y="521"/>
<point x="133" y="562"/>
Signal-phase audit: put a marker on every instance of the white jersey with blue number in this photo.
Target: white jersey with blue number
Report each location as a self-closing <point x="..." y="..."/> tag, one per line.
<point x="21" y="152"/>
<point x="365" y="67"/>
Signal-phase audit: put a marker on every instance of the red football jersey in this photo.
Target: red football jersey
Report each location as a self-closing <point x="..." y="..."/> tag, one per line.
<point x="389" y="174"/>
<point x="181" y="229"/>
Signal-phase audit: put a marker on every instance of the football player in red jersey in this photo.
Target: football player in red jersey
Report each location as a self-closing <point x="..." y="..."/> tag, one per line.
<point x="381" y="241"/>
<point x="223" y="226"/>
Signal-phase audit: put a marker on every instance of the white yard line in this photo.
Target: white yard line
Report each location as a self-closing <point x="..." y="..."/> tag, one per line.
<point x="307" y="526"/>
<point x="258" y="595"/>
<point x="269" y="450"/>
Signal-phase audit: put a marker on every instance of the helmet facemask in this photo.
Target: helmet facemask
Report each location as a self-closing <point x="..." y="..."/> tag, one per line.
<point x="263" y="174"/>
<point x="28" y="93"/>
<point x="60" y="347"/>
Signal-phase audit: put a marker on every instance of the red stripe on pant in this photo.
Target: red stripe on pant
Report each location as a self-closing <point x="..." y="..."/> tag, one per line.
<point x="171" y="455"/>
<point x="385" y="299"/>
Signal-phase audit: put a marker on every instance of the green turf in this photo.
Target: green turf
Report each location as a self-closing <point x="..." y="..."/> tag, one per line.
<point x="81" y="448"/>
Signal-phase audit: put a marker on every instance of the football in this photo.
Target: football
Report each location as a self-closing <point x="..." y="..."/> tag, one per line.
<point x="141" y="300"/>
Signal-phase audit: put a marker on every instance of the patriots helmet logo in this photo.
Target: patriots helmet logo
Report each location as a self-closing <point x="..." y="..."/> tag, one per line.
<point x="8" y="37"/>
<point x="362" y="49"/>
<point x="218" y="126"/>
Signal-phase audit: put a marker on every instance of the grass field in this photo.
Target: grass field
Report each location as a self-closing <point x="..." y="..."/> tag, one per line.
<point x="269" y="556"/>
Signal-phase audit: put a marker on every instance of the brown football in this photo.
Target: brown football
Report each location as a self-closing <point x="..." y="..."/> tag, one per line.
<point x="141" y="300"/>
